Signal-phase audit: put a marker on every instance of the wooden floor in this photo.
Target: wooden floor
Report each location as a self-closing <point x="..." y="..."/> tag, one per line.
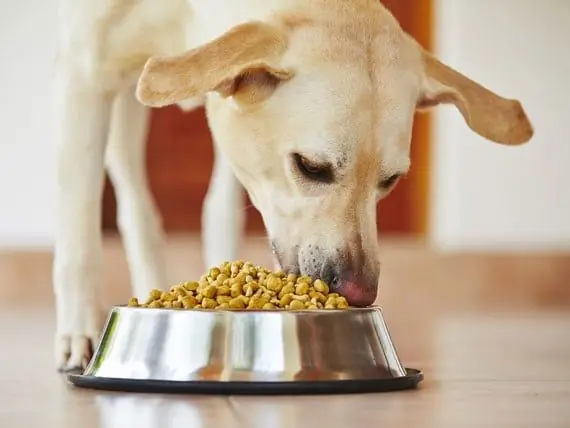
<point x="491" y="333"/>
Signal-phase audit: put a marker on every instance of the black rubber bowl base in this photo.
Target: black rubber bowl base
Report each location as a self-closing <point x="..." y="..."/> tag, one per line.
<point x="410" y="381"/>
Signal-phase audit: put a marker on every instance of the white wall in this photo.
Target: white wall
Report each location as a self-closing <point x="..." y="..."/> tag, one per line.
<point x="486" y="195"/>
<point x="27" y="47"/>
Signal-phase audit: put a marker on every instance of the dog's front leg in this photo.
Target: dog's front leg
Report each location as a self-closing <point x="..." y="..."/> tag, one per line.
<point x="82" y="119"/>
<point x="138" y="217"/>
<point x="223" y="214"/>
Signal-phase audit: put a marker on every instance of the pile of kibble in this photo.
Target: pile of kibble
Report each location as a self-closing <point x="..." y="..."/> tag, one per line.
<point x="241" y="285"/>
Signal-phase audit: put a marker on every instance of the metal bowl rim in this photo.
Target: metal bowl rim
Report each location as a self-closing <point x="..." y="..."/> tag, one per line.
<point x="370" y="309"/>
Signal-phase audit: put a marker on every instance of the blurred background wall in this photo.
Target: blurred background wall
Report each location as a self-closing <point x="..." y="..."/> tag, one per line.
<point x="27" y="51"/>
<point x="484" y="195"/>
<point x="481" y="195"/>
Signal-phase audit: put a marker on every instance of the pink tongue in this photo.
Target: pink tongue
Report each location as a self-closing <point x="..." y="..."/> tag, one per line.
<point x="355" y="295"/>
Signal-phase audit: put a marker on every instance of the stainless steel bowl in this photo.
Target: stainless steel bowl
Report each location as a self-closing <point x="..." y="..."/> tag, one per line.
<point x="197" y="350"/>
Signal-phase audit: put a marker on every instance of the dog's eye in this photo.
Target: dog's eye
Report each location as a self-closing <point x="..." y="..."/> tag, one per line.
<point x="313" y="171"/>
<point x="390" y="181"/>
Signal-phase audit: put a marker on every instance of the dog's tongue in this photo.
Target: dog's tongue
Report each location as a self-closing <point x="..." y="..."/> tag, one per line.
<point x="356" y="295"/>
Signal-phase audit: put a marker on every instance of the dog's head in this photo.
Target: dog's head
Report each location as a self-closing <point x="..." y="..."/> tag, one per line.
<point x="315" y="113"/>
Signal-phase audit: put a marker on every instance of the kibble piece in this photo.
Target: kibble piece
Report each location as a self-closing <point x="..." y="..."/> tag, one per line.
<point x="234" y="269"/>
<point x="190" y="285"/>
<point x="225" y="269"/>
<point x="248" y="290"/>
<point x="321" y="286"/>
<point x="269" y="305"/>
<point x="223" y="306"/>
<point x="203" y="282"/>
<point x="167" y="304"/>
<point x="289" y="288"/>
<point x="241" y="278"/>
<point x="318" y="296"/>
<point x="274" y="283"/>
<point x="266" y="292"/>
<point x="189" y="302"/>
<point x="208" y="303"/>
<point x="223" y="299"/>
<point x="255" y="303"/>
<point x="214" y="272"/>
<point x="209" y="291"/>
<point x="177" y="304"/>
<point x="332" y="300"/>
<point x="304" y="298"/>
<point x="167" y="297"/>
<point x="155" y="294"/>
<point x="331" y="303"/>
<point x="296" y="305"/>
<point x="155" y="304"/>
<point x="237" y="303"/>
<point x="302" y="288"/>
<point x="341" y="303"/>
<point x="180" y="292"/>
<point x="291" y="278"/>
<point x="286" y="300"/>
<point x="223" y="290"/>
<point x="235" y="290"/>
<point x="201" y="286"/>
<point x="133" y="302"/>
<point x="199" y="298"/>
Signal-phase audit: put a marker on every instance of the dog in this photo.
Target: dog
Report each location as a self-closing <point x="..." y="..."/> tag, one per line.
<point x="310" y="105"/>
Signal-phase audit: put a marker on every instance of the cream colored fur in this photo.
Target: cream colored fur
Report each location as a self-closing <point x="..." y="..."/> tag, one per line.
<point x="336" y="81"/>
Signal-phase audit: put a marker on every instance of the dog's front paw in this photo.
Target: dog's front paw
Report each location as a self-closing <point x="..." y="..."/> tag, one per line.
<point x="74" y="352"/>
<point x="78" y="333"/>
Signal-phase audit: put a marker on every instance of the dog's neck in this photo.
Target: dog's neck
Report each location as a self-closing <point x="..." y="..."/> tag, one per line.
<point x="230" y="13"/>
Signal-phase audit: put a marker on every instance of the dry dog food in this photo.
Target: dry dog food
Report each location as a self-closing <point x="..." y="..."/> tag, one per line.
<point x="241" y="285"/>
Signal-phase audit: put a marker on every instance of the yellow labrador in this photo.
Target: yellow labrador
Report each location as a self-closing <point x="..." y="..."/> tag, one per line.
<point x="311" y="106"/>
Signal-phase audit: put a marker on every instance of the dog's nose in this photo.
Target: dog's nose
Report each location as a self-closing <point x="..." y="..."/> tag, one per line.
<point x="359" y="287"/>
<point x="356" y="292"/>
<point x="330" y="274"/>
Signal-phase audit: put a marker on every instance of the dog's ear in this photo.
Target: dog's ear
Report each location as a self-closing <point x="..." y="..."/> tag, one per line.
<point x="245" y="59"/>
<point x="489" y="115"/>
